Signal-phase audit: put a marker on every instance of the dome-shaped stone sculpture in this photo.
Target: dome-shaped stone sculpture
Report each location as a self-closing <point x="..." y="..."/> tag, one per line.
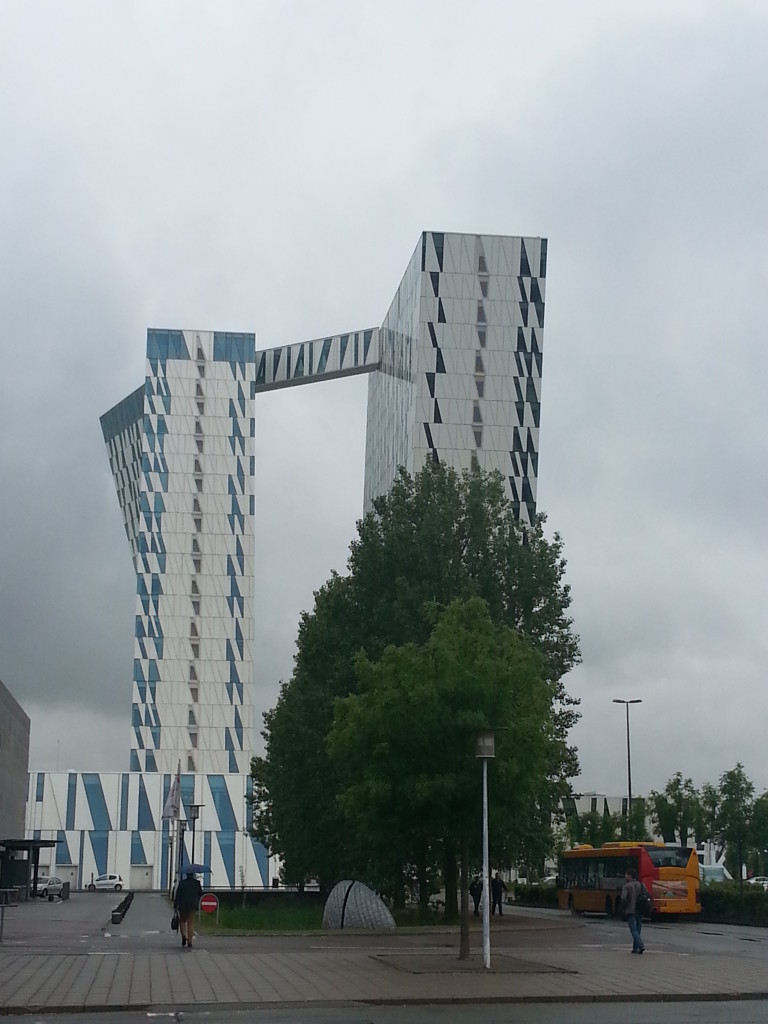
<point x="353" y="905"/>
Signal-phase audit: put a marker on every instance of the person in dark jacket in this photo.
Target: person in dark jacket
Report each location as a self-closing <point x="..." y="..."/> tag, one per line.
<point x="476" y="891"/>
<point x="498" y="886"/>
<point x="629" y="895"/>
<point x="185" y="903"/>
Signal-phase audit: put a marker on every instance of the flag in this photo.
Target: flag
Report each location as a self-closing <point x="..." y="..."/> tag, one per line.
<point x="173" y="803"/>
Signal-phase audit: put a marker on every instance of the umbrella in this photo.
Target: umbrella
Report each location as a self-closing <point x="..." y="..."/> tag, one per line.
<point x="195" y="869"/>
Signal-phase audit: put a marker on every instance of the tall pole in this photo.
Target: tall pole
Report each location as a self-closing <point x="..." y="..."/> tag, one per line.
<point x="486" y="879"/>
<point x="484" y="749"/>
<point x="629" y="768"/>
<point x="626" y="703"/>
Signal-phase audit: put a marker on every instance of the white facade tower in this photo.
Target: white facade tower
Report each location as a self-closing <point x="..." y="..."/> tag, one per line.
<point x="455" y="376"/>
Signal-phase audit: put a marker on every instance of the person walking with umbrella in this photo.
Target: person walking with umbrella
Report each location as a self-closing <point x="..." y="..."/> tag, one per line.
<point x="188" y="895"/>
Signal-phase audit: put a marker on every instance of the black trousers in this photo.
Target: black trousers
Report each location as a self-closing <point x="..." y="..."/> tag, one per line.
<point x="494" y="902"/>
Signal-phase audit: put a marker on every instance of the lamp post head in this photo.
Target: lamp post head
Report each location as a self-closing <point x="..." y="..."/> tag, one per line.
<point x="194" y="811"/>
<point x="484" y="744"/>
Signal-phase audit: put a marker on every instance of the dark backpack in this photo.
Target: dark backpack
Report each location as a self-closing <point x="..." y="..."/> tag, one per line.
<point x="643" y="902"/>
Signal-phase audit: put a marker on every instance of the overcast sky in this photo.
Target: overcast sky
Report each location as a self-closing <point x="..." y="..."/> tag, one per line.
<point x="268" y="167"/>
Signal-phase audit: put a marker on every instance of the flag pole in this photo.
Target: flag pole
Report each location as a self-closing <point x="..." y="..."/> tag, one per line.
<point x="172" y="813"/>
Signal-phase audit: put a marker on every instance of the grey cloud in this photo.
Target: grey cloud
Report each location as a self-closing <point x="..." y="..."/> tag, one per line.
<point x="269" y="168"/>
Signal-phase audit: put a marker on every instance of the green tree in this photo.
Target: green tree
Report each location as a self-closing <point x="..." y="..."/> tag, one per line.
<point x="705" y="821"/>
<point x="733" y="818"/>
<point x="432" y="539"/>
<point x="759" y="834"/>
<point x="633" y="826"/>
<point x="592" y="828"/>
<point x="675" y="809"/>
<point x="405" y="742"/>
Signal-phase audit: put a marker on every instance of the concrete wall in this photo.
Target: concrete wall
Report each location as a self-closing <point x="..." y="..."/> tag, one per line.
<point x="14" y="762"/>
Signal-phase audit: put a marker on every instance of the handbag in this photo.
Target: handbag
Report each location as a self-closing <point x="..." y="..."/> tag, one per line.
<point x="175" y="923"/>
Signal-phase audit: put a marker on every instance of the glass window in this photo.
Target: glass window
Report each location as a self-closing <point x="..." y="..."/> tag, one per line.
<point x="484" y="287"/>
<point x="668" y="856"/>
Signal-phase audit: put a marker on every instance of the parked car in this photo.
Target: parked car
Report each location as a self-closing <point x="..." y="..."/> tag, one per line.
<point x="759" y="880"/>
<point x="113" y="883"/>
<point x="48" y="885"/>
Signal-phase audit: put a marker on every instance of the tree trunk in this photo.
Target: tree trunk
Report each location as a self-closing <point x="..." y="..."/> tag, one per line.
<point x="398" y="894"/>
<point x="423" y="880"/>
<point x="464" y="926"/>
<point x="451" y="882"/>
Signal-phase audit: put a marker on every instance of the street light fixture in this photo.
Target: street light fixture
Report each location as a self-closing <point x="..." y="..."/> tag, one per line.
<point x="485" y="750"/>
<point x="636" y="700"/>
<point x="194" y="814"/>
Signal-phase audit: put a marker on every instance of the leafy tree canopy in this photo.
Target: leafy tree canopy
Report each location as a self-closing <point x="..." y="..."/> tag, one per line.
<point x="404" y="744"/>
<point x="432" y="540"/>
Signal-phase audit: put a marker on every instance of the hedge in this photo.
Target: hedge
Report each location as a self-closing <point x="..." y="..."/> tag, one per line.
<point x="535" y="895"/>
<point x="726" y="903"/>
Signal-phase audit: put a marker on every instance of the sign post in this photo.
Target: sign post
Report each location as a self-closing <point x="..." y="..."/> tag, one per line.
<point x="209" y="902"/>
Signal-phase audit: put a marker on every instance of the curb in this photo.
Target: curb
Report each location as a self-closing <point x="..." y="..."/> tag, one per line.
<point x="317" y="1004"/>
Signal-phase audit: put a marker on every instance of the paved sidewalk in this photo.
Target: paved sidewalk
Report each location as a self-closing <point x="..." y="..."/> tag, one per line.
<point x="140" y="966"/>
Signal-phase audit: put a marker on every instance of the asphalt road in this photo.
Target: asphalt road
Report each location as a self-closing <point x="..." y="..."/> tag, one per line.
<point x="628" y="1013"/>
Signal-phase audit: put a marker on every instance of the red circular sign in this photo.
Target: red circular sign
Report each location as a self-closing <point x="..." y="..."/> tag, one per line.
<point x="209" y="903"/>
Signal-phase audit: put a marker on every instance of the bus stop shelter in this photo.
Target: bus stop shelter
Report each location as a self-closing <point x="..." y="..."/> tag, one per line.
<point x="20" y="864"/>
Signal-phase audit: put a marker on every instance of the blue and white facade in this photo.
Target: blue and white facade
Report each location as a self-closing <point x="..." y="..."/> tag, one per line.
<point x="112" y="822"/>
<point x="181" y="453"/>
<point x="455" y="376"/>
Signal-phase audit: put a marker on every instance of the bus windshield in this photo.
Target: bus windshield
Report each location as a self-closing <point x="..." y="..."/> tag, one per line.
<point x="669" y="856"/>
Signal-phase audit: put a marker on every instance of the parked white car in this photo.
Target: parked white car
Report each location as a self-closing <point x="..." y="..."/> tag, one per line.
<point x="48" y="885"/>
<point x="112" y="883"/>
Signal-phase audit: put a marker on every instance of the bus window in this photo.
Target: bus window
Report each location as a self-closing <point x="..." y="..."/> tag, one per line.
<point x="669" y="856"/>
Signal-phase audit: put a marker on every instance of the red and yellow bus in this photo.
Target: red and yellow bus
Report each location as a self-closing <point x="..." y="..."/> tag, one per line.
<point x="590" y="878"/>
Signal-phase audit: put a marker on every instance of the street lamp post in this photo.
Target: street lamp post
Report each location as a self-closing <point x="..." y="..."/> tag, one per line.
<point x="626" y="703"/>
<point x="182" y="830"/>
<point x="194" y="814"/>
<point x="485" y="750"/>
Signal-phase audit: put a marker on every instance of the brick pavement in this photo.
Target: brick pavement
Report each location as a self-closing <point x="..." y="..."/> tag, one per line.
<point x="69" y="958"/>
